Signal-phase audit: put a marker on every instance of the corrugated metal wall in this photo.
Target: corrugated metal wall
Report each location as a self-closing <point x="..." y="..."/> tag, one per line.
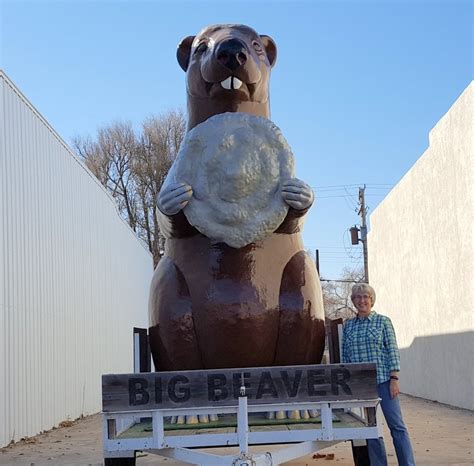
<point x="73" y="278"/>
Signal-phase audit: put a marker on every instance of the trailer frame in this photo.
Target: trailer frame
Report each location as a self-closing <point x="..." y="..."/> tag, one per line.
<point x="299" y="442"/>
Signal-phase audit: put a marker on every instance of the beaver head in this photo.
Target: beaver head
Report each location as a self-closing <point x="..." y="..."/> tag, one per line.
<point x="227" y="70"/>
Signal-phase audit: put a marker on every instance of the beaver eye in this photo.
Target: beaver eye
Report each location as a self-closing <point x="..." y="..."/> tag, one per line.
<point x="258" y="48"/>
<point x="202" y="47"/>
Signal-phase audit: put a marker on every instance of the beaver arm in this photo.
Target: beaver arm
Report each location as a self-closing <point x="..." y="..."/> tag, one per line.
<point x="175" y="226"/>
<point x="293" y="221"/>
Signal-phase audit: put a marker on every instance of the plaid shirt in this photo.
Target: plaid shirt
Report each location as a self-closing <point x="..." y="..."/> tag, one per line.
<point x="371" y="339"/>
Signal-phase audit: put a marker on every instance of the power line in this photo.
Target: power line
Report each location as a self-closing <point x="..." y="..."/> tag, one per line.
<point x="349" y="249"/>
<point x="344" y="186"/>
<point x="350" y="202"/>
<point x="336" y="195"/>
<point x="353" y="258"/>
<point x="339" y="281"/>
<point x="327" y="247"/>
<point x="337" y="186"/>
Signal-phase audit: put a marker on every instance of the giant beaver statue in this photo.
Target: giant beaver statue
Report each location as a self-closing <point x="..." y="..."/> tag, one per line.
<point x="217" y="306"/>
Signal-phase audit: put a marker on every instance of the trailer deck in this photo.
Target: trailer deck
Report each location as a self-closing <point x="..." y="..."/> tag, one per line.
<point x="227" y="423"/>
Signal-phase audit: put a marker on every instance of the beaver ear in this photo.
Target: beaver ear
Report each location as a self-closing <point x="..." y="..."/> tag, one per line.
<point x="184" y="51"/>
<point x="270" y="48"/>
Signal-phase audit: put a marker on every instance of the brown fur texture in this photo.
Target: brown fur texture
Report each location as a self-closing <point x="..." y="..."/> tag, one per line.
<point x="211" y="305"/>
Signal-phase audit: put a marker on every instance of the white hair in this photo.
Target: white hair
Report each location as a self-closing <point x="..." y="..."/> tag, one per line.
<point x="360" y="288"/>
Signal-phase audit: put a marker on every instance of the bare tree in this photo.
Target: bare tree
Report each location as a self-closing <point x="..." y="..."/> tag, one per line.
<point x="337" y="294"/>
<point x="132" y="165"/>
<point x="109" y="159"/>
<point x="158" y="144"/>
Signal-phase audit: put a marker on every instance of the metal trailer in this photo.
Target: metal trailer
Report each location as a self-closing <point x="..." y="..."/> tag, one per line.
<point x="340" y="420"/>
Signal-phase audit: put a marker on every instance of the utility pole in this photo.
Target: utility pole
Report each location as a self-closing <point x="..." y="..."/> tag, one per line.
<point x="363" y="231"/>
<point x="317" y="260"/>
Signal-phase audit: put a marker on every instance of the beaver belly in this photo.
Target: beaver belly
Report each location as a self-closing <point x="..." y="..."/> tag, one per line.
<point x="239" y="332"/>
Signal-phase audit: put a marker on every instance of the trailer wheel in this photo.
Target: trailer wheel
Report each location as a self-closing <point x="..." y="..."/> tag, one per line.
<point x="120" y="461"/>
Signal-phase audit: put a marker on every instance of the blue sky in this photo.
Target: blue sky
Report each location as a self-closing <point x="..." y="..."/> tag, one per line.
<point x="356" y="88"/>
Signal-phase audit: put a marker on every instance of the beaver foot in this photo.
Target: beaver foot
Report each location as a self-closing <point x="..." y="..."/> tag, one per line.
<point x="296" y="414"/>
<point x="193" y="419"/>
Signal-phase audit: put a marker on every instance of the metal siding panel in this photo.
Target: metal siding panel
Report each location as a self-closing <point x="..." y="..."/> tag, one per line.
<point x="3" y="307"/>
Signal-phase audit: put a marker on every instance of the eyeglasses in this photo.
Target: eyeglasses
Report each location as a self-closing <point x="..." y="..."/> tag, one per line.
<point x="361" y="296"/>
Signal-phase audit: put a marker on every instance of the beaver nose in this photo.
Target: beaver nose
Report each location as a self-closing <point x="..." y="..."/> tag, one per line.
<point x="232" y="54"/>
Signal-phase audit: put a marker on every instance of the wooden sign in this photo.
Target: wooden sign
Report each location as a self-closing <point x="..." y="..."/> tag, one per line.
<point x="221" y="387"/>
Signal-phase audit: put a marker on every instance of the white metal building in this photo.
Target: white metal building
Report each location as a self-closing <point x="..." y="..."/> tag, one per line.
<point x="421" y="260"/>
<point x="74" y="278"/>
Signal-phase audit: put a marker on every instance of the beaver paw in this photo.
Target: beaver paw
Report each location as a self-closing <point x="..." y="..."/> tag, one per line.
<point x="174" y="198"/>
<point x="297" y="194"/>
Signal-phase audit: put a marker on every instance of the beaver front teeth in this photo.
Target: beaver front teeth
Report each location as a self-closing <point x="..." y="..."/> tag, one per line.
<point x="231" y="83"/>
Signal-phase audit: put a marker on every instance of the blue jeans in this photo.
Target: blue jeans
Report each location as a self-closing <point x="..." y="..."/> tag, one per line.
<point x="401" y="441"/>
